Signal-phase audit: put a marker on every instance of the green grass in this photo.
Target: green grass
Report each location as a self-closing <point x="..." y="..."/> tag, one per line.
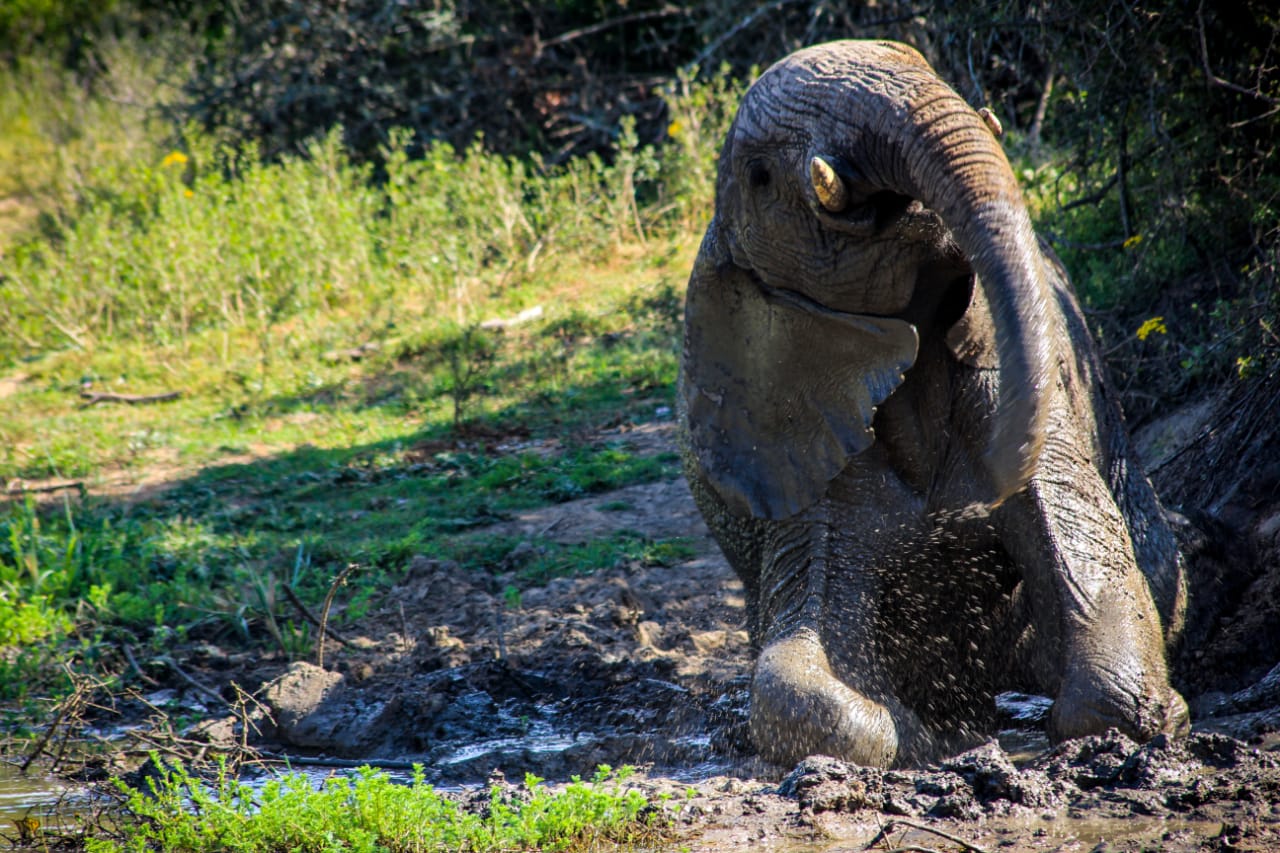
<point x="369" y="812"/>
<point x="180" y="265"/>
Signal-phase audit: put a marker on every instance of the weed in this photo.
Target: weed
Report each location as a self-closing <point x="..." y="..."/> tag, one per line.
<point x="371" y="812"/>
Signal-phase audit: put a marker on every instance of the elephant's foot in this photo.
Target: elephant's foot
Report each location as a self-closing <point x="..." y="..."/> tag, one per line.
<point x="799" y="708"/>
<point x="1094" y="699"/>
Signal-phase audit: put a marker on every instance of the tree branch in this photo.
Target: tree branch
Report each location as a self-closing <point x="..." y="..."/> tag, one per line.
<point x="95" y="397"/>
<point x="1218" y="81"/>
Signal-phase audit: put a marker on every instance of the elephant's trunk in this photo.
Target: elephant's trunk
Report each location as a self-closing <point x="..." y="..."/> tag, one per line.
<point x="939" y="151"/>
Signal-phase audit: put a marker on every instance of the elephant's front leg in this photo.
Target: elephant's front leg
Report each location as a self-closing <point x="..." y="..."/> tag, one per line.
<point x="820" y="685"/>
<point x="1101" y="644"/>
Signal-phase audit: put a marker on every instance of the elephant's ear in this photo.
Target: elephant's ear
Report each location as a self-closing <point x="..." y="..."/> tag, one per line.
<point x="779" y="391"/>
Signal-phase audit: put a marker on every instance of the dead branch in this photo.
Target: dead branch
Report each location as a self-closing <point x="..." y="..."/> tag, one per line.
<point x="1218" y="81"/>
<point x="68" y="710"/>
<point x="747" y="21"/>
<point x="20" y="490"/>
<point x="664" y="12"/>
<point x="312" y="618"/>
<point x="133" y="664"/>
<point x="312" y="761"/>
<point x="202" y="689"/>
<point x="1042" y="106"/>
<point x="93" y="398"/>
<point x="897" y="821"/>
<point x="324" y="612"/>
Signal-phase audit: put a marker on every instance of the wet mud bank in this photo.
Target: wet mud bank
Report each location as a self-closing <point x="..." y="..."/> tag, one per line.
<point x="649" y="666"/>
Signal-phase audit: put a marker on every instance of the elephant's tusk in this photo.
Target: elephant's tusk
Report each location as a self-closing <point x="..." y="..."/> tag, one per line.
<point x="993" y="124"/>
<point x="831" y="191"/>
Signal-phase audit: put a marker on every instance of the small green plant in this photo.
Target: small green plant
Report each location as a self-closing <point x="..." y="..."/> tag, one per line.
<point x="370" y="812"/>
<point x="469" y="356"/>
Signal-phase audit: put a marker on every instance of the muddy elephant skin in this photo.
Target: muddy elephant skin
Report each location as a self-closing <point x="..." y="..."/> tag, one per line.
<point x="894" y="422"/>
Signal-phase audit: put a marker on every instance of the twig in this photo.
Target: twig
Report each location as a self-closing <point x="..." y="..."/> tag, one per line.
<point x="1218" y="81"/>
<point x="1088" y="247"/>
<point x="311" y="761"/>
<point x="133" y="664"/>
<point x="200" y="688"/>
<point x="92" y="398"/>
<point x="312" y="618"/>
<point x="750" y="19"/>
<point x="1095" y="197"/>
<point x="324" y="612"/>
<point x="69" y="709"/>
<point x="1042" y="106"/>
<point x="63" y="707"/>
<point x="889" y="824"/>
<point x="241" y="708"/>
<point x="664" y="12"/>
<point x="17" y="491"/>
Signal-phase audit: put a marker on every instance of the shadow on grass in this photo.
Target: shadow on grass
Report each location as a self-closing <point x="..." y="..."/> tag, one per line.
<point x="229" y="542"/>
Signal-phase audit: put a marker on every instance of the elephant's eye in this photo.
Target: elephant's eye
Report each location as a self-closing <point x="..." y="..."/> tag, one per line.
<point x="758" y="175"/>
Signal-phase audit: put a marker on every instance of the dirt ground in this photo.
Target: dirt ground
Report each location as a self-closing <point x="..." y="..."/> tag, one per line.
<point x="649" y="666"/>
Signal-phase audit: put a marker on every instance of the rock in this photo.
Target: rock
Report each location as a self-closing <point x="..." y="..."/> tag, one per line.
<point x="297" y="696"/>
<point x="217" y="731"/>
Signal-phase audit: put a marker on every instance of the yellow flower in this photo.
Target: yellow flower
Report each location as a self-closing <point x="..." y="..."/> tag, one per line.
<point x="1132" y="241"/>
<point x="173" y="158"/>
<point x="187" y="193"/>
<point x="1155" y="324"/>
<point x="673" y="129"/>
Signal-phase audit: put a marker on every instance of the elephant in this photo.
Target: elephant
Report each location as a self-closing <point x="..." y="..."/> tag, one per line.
<point x="895" y="423"/>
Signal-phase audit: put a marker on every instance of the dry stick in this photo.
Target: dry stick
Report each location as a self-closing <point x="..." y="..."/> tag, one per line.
<point x="312" y="761"/>
<point x="324" y="613"/>
<point x="133" y="664"/>
<point x="63" y="707"/>
<point x="50" y="487"/>
<point x="1042" y="107"/>
<point x="95" y="397"/>
<point x="747" y="21"/>
<point x="665" y="12"/>
<point x="312" y="618"/>
<point x="954" y="839"/>
<point x="200" y="688"/>
<point x="241" y="708"/>
<point x="1218" y="81"/>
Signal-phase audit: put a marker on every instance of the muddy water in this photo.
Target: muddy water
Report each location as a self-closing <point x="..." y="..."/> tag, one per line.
<point x="35" y="802"/>
<point x="1038" y="833"/>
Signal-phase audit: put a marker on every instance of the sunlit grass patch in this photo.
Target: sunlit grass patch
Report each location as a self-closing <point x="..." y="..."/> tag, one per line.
<point x="369" y="812"/>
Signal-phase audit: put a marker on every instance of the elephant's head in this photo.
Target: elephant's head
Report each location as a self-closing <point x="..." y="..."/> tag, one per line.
<point x="854" y="187"/>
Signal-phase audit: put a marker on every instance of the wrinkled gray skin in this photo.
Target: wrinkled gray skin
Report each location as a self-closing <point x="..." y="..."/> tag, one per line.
<point x="895" y="425"/>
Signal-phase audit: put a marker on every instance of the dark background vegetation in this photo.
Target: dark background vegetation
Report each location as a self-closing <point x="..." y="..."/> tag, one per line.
<point x="1148" y="129"/>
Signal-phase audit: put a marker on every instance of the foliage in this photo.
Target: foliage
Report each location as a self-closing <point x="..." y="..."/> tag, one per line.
<point x="370" y="812"/>
<point x="1145" y="134"/>
<point x="26" y="24"/>
<point x="352" y="310"/>
<point x="313" y="233"/>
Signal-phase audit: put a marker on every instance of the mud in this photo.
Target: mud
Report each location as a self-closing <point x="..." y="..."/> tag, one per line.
<point x="649" y="666"/>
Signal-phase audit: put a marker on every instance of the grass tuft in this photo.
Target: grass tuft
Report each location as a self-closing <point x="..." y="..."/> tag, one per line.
<point x="370" y="812"/>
